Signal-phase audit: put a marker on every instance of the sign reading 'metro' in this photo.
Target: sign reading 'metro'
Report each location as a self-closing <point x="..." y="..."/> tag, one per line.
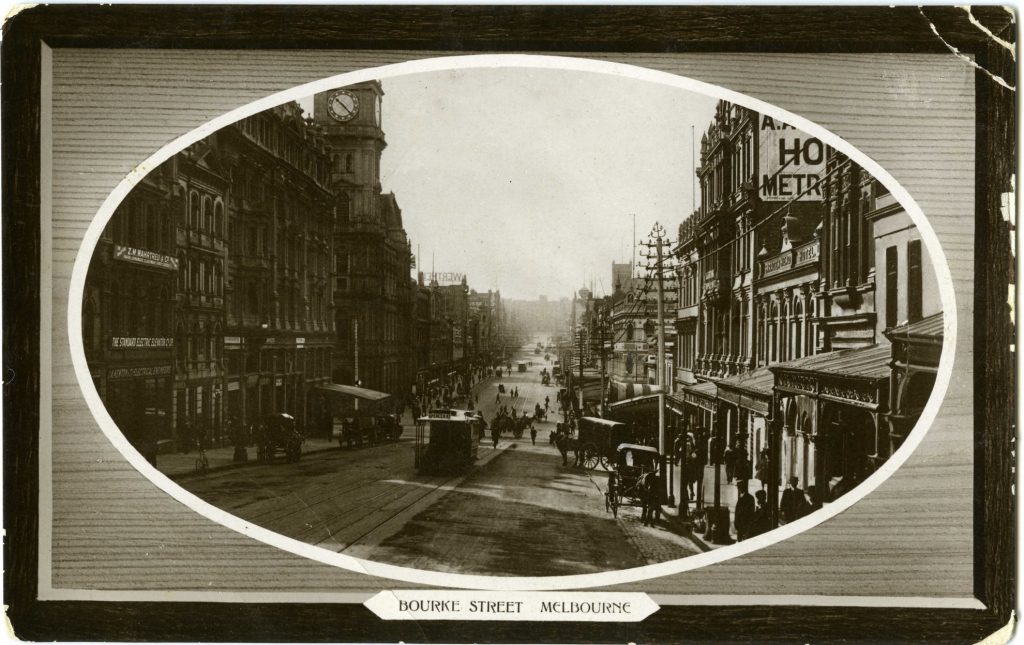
<point x="792" y="163"/>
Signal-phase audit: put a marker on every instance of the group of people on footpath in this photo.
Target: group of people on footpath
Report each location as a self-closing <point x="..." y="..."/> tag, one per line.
<point x="751" y="515"/>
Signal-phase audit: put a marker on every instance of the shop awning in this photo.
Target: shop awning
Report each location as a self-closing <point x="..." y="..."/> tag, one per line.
<point x="592" y="390"/>
<point x="701" y="395"/>
<point x="855" y="377"/>
<point x="751" y="390"/>
<point x="867" y="363"/>
<point x="636" y="405"/>
<point x="928" y="329"/>
<point x="354" y="392"/>
<point x="619" y="391"/>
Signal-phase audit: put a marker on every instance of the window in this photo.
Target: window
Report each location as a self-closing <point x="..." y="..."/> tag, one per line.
<point x="207" y="214"/>
<point x="914" y="281"/>
<point x="218" y="218"/>
<point x="891" y="286"/>
<point x="193" y="210"/>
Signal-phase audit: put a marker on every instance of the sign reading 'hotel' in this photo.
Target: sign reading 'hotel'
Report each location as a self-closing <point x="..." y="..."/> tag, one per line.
<point x="142" y="256"/>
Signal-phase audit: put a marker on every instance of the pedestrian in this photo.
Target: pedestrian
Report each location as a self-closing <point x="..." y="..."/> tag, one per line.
<point x="533" y="434"/>
<point x="792" y="500"/>
<point x="547" y="403"/>
<point x="742" y="467"/>
<point x="185" y="437"/>
<point x="763" y="469"/>
<point x="729" y="458"/>
<point x="762" y="522"/>
<point x="694" y="469"/>
<point x="652" y="496"/>
<point x="743" y="515"/>
<point x="497" y="397"/>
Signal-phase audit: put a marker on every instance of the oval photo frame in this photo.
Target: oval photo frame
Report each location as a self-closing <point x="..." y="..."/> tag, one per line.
<point x="498" y="583"/>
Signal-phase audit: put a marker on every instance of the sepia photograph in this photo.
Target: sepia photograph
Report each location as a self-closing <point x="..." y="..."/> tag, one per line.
<point x="509" y="324"/>
<point x="265" y="321"/>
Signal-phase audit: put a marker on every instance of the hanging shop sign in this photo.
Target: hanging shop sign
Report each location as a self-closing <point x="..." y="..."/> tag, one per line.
<point x="141" y="371"/>
<point x="132" y="342"/>
<point x="142" y="256"/>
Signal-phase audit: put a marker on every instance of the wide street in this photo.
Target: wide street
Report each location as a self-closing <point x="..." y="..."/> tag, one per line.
<point x="519" y="512"/>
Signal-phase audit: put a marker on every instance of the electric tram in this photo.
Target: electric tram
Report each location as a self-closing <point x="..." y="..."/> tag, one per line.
<point x="446" y="441"/>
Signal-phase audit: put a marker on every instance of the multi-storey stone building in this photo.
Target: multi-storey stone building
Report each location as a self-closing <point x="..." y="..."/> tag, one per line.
<point x="128" y="310"/>
<point x="280" y="324"/>
<point x="372" y="253"/>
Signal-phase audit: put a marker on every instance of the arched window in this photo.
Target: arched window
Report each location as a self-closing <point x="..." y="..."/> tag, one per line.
<point x="252" y="299"/>
<point x="798" y="328"/>
<point x="163" y="309"/>
<point x="216" y="343"/>
<point x="191" y="340"/>
<point x="142" y="315"/>
<point x="182" y="272"/>
<point x="167" y="228"/>
<point x="344" y="207"/>
<point x="180" y="346"/>
<point x="218" y="281"/>
<point x="218" y="218"/>
<point x="349" y="162"/>
<point x="193" y="210"/>
<point x="630" y="331"/>
<point x="207" y="224"/>
<point x="203" y="341"/>
<point x="151" y="226"/>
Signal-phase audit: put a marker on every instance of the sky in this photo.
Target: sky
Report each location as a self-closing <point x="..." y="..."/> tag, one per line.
<point x="528" y="180"/>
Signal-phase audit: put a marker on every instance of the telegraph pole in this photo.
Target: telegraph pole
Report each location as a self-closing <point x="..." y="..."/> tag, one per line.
<point x="658" y="234"/>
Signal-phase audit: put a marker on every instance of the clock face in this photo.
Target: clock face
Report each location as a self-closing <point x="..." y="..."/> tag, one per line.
<point x="343" y="105"/>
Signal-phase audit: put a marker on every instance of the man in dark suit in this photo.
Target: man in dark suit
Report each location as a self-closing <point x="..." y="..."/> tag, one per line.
<point x="743" y="516"/>
<point x="792" y="499"/>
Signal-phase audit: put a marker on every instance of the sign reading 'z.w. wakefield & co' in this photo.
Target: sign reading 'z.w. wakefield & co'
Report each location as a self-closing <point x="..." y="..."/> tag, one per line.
<point x="123" y="342"/>
<point x="792" y="163"/>
<point x="597" y="606"/>
<point x="142" y="256"/>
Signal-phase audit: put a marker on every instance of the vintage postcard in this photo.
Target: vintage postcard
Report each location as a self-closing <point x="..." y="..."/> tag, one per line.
<point x="394" y="339"/>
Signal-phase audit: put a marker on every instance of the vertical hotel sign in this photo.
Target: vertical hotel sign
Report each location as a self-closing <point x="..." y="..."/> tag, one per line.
<point x="791" y="163"/>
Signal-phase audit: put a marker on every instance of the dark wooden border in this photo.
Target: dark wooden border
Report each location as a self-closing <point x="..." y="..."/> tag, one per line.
<point x="505" y="28"/>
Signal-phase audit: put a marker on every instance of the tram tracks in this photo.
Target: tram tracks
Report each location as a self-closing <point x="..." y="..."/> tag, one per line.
<point x="395" y="521"/>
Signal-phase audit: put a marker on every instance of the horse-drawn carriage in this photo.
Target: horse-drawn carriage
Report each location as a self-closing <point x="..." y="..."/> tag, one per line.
<point x="598" y="440"/>
<point x="279" y="434"/>
<point x="514" y="426"/>
<point x="633" y="479"/>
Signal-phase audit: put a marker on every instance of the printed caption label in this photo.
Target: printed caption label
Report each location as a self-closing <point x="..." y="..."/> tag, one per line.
<point x="512" y="605"/>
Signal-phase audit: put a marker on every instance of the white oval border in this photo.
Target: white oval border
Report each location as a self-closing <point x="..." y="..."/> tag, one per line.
<point x="498" y="583"/>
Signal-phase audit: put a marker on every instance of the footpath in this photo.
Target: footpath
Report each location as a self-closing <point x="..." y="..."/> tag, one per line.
<point x="180" y="465"/>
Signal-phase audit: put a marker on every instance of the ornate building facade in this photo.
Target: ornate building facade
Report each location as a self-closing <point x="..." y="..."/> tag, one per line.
<point x="280" y="324"/>
<point x="371" y="254"/>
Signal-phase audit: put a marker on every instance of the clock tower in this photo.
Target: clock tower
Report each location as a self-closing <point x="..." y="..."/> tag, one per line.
<point x="351" y="121"/>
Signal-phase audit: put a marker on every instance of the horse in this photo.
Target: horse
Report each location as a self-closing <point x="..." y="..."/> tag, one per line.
<point x="651" y="492"/>
<point x="565" y="443"/>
